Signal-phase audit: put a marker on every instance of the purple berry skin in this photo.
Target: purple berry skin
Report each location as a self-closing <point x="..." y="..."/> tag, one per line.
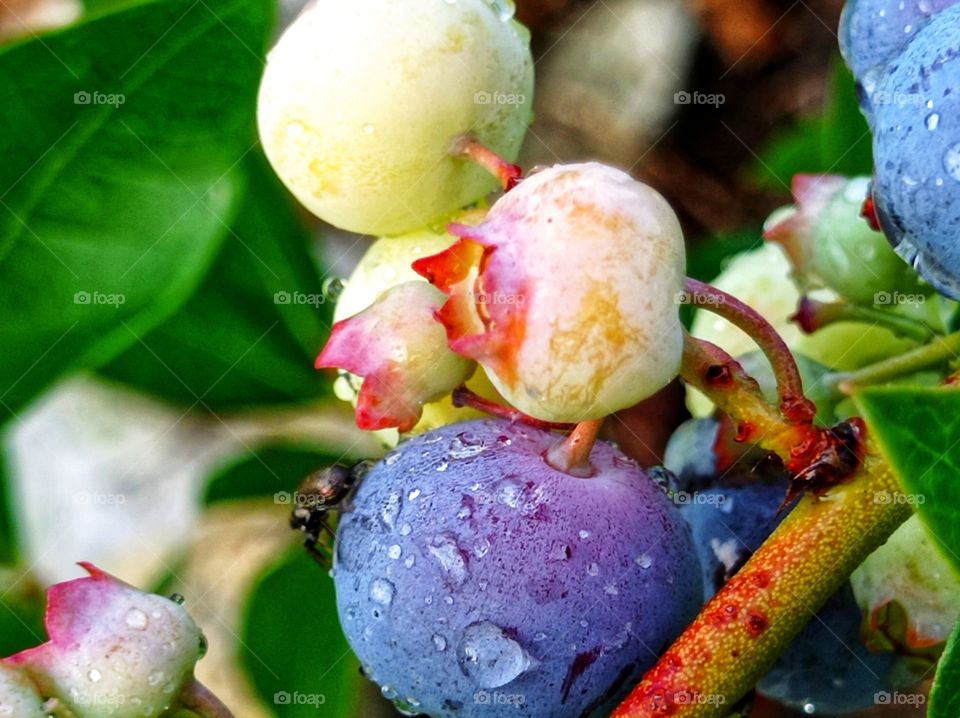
<point x="473" y="579"/>
<point x="874" y="32"/>
<point x="916" y="187"/>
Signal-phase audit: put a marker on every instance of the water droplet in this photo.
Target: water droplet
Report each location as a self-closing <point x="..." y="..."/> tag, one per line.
<point x="381" y="591"/>
<point x="583" y="624"/>
<point x="951" y="161"/>
<point x="445" y="550"/>
<point x="643" y="561"/>
<point x="394" y="552"/>
<point x="509" y="492"/>
<point x="428" y="600"/>
<point x="137" y="619"/>
<point x="332" y="288"/>
<point x="505" y="9"/>
<point x="177" y="599"/>
<point x="439" y="642"/>
<point x="809" y="708"/>
<point x="539" y="636"/>
<point x="409" y="561"/>
<point x="933" y="121"/>
<point x="593" y="569"/>
<point x="448" y="600"/>
<point x="442" y="466"/>
<point x="611" y="590"/>
<point x="392" y="458"/>
<point x="406" y="529"/>
<point x="387" y="692"/>
<point x="504" y="440"/>
<point x="466" y="446"/>
<point x="408" y="706"/>
<point x="94" y="675"/>
<point x="489" y="657"/>
<point x="559" y="552"/>
<point x="155" y="678"/>
<point x="584" y="534"/>
<point x="391" y="509"/>
<point x="413" y="494"/>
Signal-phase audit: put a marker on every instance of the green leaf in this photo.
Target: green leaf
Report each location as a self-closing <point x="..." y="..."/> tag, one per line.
<point x="271" y="469"/>
<point x="9" y="545"/>
<point x="945" y="695"/>
<point x="21" y="612"/>
<point x="119" y="136"/>
<point x="918" y="430"/>
<point x="294" y="650"/>
<point x="237" y="342"/>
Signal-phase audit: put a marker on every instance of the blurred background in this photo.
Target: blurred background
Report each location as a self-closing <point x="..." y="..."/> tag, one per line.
<point x="157" y="397"/>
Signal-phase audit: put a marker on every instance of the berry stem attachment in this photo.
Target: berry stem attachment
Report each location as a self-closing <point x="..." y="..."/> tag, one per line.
<point x="197" y="698"/>
<point x="464" y="397"/>
<point x="508" y="174"/>
<point x="939" y="351"/>
<point x="571" y="455"/>
<point x="710" y="369"/>
<point x="813" y="315"/>
<point x="794" y="406"/>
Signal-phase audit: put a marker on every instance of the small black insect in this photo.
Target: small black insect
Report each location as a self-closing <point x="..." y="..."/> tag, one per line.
<point x="323" y="491"/>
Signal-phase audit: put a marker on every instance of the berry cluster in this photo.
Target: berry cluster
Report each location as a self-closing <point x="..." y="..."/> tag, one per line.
<point x="491" y="562"/>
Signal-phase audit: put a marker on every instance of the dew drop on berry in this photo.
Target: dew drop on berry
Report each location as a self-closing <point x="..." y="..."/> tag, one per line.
<point x="382" y="591"/>
<point x="439" y="642"/>
<point x="443" y="548"/>
<point x="394" y="551"/>
<point x="951" y="161"/>
<point x="137" y="619"/>
<point x="489" y="657"/>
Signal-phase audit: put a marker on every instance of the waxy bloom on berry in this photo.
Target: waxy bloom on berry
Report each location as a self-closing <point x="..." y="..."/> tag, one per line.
<point x="567" y="294"/>
<point x="401" y="352"/>
<point x="113" y="649"/>
<point x="362" y="101"/>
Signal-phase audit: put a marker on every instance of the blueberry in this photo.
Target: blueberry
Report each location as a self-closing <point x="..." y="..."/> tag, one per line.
<point x="827" y="666"/>
<point x="917" y="153"/>
<point x="874" y="32"/>
<point x="474" y="580"/>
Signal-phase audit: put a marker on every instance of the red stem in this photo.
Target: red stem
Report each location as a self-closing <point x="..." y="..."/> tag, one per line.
<point x="508" y="174"/>
<point x="464" y="397"/>
<point x="794" y="406"/>
<point x="571" y="455"/>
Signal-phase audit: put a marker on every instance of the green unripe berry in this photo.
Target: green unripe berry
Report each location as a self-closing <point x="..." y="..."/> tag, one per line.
<point x="362" y="101"/>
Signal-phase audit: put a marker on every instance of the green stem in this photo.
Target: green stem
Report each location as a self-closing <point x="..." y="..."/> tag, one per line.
<point x="814" y="315"/>
<point x="939" y="351"/>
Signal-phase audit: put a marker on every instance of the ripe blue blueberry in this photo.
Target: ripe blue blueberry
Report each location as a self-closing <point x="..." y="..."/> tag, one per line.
<point x="917" y="153"/>
<point x="473" y="579"/>
<point x="827" y="666"/>
<point x="874" y="32"/>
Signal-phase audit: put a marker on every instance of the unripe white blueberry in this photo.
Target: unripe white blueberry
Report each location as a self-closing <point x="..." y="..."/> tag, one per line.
<point x="361" y="102"/>
<point x="18" y="695"/>
<point x="113" y="650"/>
<point x="567" y="293"/>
